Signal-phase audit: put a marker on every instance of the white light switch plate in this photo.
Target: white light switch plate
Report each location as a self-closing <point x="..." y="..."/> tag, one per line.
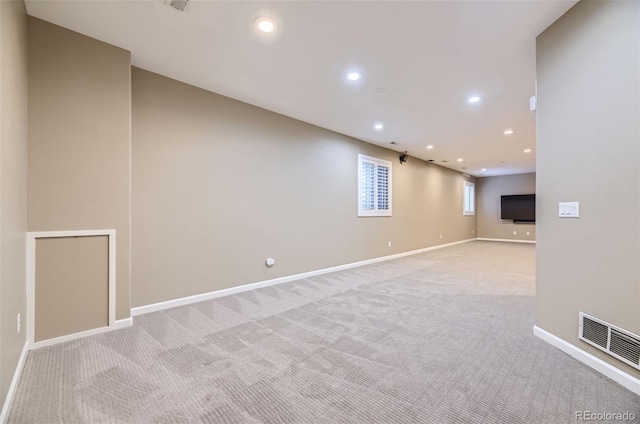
<point x="569" y="209"/>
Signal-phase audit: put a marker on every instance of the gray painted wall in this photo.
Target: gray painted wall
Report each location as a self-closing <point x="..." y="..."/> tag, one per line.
<point x="80" y="140"/>
<point x="76" y="270"/>
<point x="220" y="185"/>
<point x="588" y="150"/>
<point x="13" y="185"/>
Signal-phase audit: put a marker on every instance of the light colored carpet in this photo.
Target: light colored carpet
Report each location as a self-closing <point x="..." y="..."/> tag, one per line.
<point x="440" y="337"/>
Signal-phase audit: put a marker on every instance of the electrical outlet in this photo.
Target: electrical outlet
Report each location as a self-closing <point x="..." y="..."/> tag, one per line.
<point x="18" y="323"/>
<point x="528" y="233"/>
<point x="515" y="233"/>
<point x="440" y="235"/>
<point x="473" y="231"/>
<point x="389" y="244"/>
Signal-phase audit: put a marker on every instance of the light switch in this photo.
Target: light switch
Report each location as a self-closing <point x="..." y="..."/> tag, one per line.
<point x="574" y="210"/>
<point x="562" y="209"/>
<point x="569" y="209"/>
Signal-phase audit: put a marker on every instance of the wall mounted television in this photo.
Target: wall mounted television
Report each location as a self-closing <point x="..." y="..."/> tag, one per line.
<point x="518" y="207"/>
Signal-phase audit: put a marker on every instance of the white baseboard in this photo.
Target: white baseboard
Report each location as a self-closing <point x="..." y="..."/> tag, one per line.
<point x="8" y="401"/>
<point x="140" y="310"/>
<point x="506" y="240"/>
<point x="620" y="377"/>
<point x="121" y="323"/>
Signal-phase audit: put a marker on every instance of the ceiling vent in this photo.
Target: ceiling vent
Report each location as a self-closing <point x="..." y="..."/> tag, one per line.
<point x="178" y="4"/>
<point x="613" y="340"/>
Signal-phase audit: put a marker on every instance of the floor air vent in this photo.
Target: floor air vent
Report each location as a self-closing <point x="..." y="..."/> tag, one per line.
<point x="615" y="341"/>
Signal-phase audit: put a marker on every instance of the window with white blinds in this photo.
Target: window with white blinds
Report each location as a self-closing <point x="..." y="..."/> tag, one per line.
<point x="374" y="186"/>
<point x="469" y="198"/>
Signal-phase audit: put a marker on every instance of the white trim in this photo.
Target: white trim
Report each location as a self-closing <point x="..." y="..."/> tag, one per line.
<point x="112" y="277"/>
<point x="617" y="375"/>
<point x="8" y="401"/>
<point x="506" y="240"/>
<point x="31" y="288"/>
<point x="122" y="323"/>
<point x="130" y="155"/>
<point x="31" y="277"/>
<point x="154" y="307"/>
<point x="71" y="233"/>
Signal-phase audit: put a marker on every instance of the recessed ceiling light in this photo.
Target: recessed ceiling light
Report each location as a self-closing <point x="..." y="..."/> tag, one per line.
<point x="484" y="170"/>
<point x="508" y="132"/>
<point x="527" y="150"/>
<point x="379" y="126"/>
<point x="429" y="147"/>
<point x="474" y="99"/>
<point x="460" y="159"/>
<point x="266" y="25"/>
<point x="354" y="76"/>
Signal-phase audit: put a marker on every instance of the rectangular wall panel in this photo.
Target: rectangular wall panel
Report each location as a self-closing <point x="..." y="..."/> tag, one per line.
<point x="72" y="285"/>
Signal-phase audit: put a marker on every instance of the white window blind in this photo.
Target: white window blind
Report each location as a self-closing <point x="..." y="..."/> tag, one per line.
<point x="374" y="186"/>
<point x="469" y="198"/>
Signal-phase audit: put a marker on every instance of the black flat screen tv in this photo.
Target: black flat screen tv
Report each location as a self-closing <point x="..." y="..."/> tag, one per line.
<point x="518" y="207"/>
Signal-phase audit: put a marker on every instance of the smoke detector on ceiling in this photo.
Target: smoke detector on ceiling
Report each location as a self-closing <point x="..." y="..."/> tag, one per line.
<point x="177" y="4"/>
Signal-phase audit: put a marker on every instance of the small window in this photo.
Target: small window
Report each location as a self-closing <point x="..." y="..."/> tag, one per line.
<point x="374" y="186"/>
<point x="469" y="198"/>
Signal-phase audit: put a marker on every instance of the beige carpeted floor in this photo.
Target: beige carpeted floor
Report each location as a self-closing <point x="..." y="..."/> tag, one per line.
<point x="440" y="337"/>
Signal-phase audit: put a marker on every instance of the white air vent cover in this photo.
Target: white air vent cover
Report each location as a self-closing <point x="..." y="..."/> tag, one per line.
<point x="617" y="342"/>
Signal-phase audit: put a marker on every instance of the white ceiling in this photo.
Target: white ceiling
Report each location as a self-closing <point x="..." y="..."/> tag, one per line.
<point x="429" y="56"/>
